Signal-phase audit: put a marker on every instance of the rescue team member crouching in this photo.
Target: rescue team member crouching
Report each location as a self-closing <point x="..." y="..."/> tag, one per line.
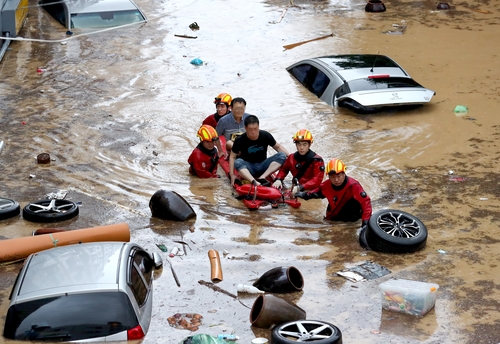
<point x="347" y="201"/>
<point x="204" y="158"/>
<point x="305" y="165"/>
<point x="249" y="154"/>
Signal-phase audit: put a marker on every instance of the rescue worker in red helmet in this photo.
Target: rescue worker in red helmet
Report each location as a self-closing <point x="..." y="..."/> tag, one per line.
<point x="204" y="158"/>
<point x="347" y="201"/>
<point x="222" y="106"/>
<point x="307" y="167"/>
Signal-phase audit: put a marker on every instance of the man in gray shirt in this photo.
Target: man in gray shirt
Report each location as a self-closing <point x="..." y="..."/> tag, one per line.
<point x="232" y="125"/>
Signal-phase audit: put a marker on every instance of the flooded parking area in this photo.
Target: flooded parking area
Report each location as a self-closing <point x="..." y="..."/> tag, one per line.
<point x="118" y="112"/>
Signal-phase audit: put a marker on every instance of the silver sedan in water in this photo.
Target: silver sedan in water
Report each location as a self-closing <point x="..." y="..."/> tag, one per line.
<point x="361" y="82"/>
<point x="84" y="292"/>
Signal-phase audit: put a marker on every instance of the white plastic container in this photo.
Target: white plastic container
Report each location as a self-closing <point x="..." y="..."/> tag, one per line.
<point x="405" y="296"/>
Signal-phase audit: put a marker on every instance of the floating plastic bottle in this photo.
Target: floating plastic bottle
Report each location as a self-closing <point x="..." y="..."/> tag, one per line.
<point x="229" y="337"/>
<point x="243" y="288"/>
<point x="174" y="252"/>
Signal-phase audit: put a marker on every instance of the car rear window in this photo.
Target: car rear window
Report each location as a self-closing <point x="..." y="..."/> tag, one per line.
<point x="106" y="19"/>
<point x="375" y="84"/>
<point x="70" y="317"/>
<point x="102" y="19"/>
<point x="312" y="78"/>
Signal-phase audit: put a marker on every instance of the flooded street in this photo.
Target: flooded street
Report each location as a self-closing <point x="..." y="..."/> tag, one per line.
<point x="118" y="112"/>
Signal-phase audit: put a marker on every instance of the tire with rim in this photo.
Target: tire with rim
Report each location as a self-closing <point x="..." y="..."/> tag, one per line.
<point x="50" y="211"/>
<point x="362" y="239"/>
<point x="8" y="208"/>
<point x="316" y="331"/>
<point x="395" y="231"/>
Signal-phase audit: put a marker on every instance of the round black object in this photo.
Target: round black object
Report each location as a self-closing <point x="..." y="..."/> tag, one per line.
<point x="50" y="210"/>
<point x="169" y="205"/>
<point x="394" y="231"/>
<point x="375" y="6"/>
<point x="8" y="208"/>
<point x="316" y="331"/>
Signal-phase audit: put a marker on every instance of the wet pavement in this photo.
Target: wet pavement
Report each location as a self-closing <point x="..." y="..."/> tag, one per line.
<point x="118" y="112"/>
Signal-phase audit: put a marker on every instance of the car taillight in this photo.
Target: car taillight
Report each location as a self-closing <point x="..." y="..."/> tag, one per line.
<point x="379" y="76"/>
<point x="135" y="333"/>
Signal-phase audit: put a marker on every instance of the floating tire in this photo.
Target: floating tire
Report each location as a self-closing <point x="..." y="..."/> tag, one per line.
<point x="50" y="211"/>
<point x="310" y="331"/>
<point x="169" y="205"/>
<point x="8" y="208"/>
<point x="394" y="231"/>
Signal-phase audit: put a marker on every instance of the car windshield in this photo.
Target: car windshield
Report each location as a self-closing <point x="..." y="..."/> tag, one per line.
<point x="70" y="317"/>
<point x="375" y="84"/>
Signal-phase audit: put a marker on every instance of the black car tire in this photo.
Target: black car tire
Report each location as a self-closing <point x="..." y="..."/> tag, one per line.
<point x="362" y="239"/>
<point x="394" y="231"/>
<point x="316" y="331"/>
<point x="8" y="208"/>
<point x="62" y="210"/>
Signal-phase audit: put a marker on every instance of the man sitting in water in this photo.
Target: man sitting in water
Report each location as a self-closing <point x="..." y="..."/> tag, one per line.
<point x="306" y="166"/>
<point x="204" y="158"/>
<point x="347" y="201"/>
<point x="232" y="125"/>
<point x="249" y="154"/>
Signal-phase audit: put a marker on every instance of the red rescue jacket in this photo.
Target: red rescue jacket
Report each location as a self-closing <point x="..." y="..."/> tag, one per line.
<point x="203" y="162"/>
<point x="343" y="199"/>
<point x="212" y="120"/>
<point x="312" y="177"/>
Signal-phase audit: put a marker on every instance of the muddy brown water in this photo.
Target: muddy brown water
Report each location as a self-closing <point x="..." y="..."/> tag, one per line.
<point x="118" y="113"/>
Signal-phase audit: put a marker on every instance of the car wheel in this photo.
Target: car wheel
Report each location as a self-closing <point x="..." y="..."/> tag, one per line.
<point x="316" y="331"/>
<point x="362" y="239"/>
<point x="8" y="208"/>
<point x="394" y="231"/>
<point x="50" y="210"/>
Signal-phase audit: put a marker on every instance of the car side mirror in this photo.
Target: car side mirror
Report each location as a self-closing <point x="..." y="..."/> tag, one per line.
<point x="158" y="260"/>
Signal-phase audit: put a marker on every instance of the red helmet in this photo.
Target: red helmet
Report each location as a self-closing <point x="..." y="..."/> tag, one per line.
<point x="207" y="133"/>
<point x="335" y="166"/>
<point x="223" y="98"/>
<point x="303" y="135"/>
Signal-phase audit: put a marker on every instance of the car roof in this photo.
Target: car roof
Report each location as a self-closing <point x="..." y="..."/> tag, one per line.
<point x="72" y="268"/>
<point x="355" y="66"/>
<point x="92" y="6"/>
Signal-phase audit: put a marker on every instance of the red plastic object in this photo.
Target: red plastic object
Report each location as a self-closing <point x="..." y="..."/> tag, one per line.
<point x="253" y="204"/>
<point x="263" y="192"/>
<point x="293" y="203"/>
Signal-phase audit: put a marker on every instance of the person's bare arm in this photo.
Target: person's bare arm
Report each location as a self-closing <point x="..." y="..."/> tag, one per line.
<point x="279" y="148"/>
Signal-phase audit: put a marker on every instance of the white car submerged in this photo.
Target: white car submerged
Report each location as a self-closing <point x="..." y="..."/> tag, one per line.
<point x="362" y="82"/>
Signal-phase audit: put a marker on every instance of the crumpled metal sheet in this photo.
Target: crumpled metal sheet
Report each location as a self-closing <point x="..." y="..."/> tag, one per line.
<point x="367" y="270"/>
